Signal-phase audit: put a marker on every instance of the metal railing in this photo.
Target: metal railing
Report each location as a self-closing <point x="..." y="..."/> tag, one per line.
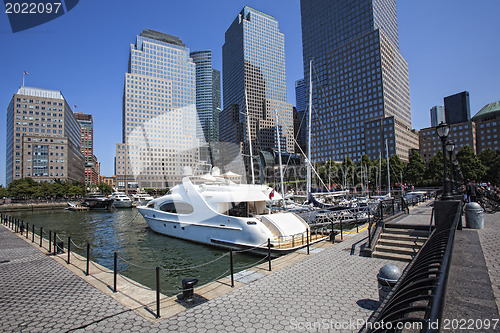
<point x="418" y="296"/>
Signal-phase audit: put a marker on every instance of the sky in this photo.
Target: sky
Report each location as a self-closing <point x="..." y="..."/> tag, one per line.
<point x="450" y="46"/>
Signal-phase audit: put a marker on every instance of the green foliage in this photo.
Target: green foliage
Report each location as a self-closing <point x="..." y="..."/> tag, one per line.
<point x="396" y="168"/>
<point x="3" y="192"/>
<point x="434" y="173"/>
<point x="105" y="188"/>
<point x="470" y="164"/>
<point x="156" y="191"/>
<point x="491" y="161"/>
<point x="415" y="169"/>
<point x="28" y="188"/>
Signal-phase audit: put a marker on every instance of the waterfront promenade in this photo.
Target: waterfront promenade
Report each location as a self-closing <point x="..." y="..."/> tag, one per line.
<point x="334" y="287"/>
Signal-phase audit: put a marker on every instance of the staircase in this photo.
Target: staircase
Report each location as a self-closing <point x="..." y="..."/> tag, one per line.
<point x="400" y="242"/>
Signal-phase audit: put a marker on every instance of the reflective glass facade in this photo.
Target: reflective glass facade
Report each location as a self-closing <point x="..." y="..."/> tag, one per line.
<point x="253" y="57"/>
<point x="359" y="77"/>
<point x="159" y="112"/>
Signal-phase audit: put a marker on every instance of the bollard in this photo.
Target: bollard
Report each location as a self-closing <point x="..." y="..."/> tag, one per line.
<point x="269" y="252"/>
<point x="50" y="241"/>
<point x="231" y="267"/>
<point x="41" y="236"/>
<point x="157" y="292"/>
<point x="88" y="260"/>
<point x="115" y="271"/>
<point x="69" y="248"/>
<point x="188" y="287"/>
<point x="387" y="278"/>
<point x="33" y="234"/>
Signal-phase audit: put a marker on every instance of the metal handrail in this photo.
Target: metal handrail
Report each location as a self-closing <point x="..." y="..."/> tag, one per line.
<point x="422" y="286"/>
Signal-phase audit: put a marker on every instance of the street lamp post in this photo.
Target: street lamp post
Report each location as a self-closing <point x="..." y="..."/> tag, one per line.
<point x="442" y="131"/>
<point x="457" y="181"/>
<point x="450" y="147"/>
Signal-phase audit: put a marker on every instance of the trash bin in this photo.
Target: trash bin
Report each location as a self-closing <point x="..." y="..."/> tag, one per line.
<point x="387" y="278"/>
<point x="474" y="216"/>
<point x="188" y="287"/>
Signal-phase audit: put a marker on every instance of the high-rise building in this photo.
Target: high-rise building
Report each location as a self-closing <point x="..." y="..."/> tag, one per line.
<point x="208" y="103"/>
<point x="457" y="108"/>
<point x="254" y="79"/>
<point x="159" y="114"/>
<point x="86" y="122"/>
<point x="437" y="115"/>
<point x="487" y="122"/>
<point x="43" y="138"/>
<point x="360" y="80"/>
<point x="300" y="123"/>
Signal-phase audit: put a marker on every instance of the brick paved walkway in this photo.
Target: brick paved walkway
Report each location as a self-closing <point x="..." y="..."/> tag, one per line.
<point x="333" y="287"/>
<point x="490" y="242"/>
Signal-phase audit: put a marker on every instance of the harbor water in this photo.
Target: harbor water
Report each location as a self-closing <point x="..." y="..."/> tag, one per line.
<point x="126" y="232"/>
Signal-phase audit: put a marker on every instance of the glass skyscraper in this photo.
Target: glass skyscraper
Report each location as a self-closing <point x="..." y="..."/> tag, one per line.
<point x="437" y="115"/>
<point x="159" y="114"/>
<point x="361" y="94"/>
<point x="208" y="104"/>
<point x="457" y="108"/>
<point x="253" y="60"/>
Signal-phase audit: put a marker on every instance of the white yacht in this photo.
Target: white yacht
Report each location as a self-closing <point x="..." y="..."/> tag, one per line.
<point x="141" y="199"/>
<point x="120" y="200"/>
<point x="221" y="213"/>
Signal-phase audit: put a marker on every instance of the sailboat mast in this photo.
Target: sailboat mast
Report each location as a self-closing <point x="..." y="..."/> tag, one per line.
<point x="279" y="154"/>
<point x="388" y="173"/>
<point x="308" y="164"/>
<point x="249" y="138"/>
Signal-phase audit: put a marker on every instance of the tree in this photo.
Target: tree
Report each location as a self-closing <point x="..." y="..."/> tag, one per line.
<point x="491" y="161"/>
<point x="396" y="168"/>
<point x="415" y="169"/>
<point x="470" y="164"/>
<point x="3" y="192"/>
<point x="434" y="172"/>
<point x="105" y="188"/>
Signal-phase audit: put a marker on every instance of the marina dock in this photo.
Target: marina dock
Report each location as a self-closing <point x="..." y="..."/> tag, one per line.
<point x="332" y="289"/>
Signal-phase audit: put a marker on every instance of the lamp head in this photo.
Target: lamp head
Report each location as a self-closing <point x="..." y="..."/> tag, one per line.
<point x="450" y="146"/>
<point x="443" y="130"/>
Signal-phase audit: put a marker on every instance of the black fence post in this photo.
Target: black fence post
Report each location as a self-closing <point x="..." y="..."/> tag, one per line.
<point x="269" y="252"/>
<point x="341" y="231"/>
<point x="27" y="229"/>
<point x="55" y="243"/>
<point x="356" y="218"/>
<point x="115" y="271"/>
<point x="332" y="235"/>
<point x="41" y="236"/>
<point x="69" y="249"/>
<point x="88" y="256"/>
<point x="157" y="292"/>
<point x="231" y="267"/>
<point x="33" y="233"/>
<point x="50" y="241"/>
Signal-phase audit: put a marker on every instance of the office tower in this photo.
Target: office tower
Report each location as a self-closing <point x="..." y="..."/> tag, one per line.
<point x="300" y="123"/>
<point x="437" y="115"/>
<point x="159" y="114"/>
<point x="43" y="138"/>
<point x="86" y="122"/>
<point x="253" y="61"/>
<point x="208" y="103"/>
<point x="487" y="122"/>
<point x="361" y="94"/>
<point x="457" y="108"/>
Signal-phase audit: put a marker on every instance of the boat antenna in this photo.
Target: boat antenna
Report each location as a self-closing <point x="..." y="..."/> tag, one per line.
<point x="249" y="138"/>
<point x="279" y="154"/>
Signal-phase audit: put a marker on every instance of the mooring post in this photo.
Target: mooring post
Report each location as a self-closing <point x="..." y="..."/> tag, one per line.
<point x="269" y="252"/>
<point x="88" y="260"/>
<point x="356" y="217"/>
<point x="115" y="271"/>
<point x="157" y="292"/>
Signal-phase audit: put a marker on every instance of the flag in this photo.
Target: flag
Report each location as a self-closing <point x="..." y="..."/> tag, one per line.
<point x="271" y="195"/>
<point x="25" y="73"/>
<point x="75" y="106"/>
